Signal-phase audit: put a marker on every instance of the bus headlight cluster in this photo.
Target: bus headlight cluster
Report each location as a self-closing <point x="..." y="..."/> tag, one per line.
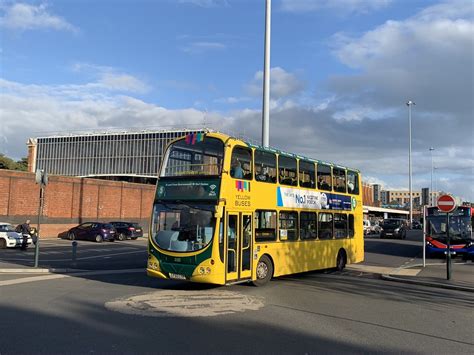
<point x="204" y="271"/>
<point x="153" y="265"/>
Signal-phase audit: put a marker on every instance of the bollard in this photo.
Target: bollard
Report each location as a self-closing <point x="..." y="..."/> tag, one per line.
<point x="74" y="253"/>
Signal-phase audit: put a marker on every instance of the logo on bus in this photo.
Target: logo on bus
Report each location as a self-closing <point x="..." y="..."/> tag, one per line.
<point x="242" y="186"/>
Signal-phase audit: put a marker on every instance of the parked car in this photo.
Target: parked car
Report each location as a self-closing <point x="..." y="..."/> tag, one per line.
<point x="127" y="230"/>
<point x="95" y="231"/>
<point x="416" y="225"/>
<point x="9" y="238"/>
<point x="394" y="227"/>
<point x="371" y="227"/>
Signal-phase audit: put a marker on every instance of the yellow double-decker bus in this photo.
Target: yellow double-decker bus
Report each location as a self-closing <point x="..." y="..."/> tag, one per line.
<point x="227" y="211"/>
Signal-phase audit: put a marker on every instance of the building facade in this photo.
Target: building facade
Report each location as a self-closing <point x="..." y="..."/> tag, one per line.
<point x="129" y="156"/>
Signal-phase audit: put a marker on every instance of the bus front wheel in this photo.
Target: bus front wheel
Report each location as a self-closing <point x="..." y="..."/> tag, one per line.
<point x="264" y="271"/>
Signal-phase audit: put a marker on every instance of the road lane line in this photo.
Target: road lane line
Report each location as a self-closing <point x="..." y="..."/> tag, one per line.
<point x="62" y="276"/>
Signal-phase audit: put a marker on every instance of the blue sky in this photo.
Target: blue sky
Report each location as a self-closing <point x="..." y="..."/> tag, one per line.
<point x="341" y="73"/>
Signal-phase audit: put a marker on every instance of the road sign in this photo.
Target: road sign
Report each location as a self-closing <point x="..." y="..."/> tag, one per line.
<point x="446" y="203"/>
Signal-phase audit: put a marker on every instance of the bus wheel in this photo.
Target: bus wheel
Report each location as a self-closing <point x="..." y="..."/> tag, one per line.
<point x="341" y="260"/>
<point x="264" y="271"/>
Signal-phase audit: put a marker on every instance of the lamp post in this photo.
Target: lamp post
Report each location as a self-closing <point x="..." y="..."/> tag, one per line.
<point x="431" y="188"/>
<point x="266" y="77"/>
<point x="410" y="104"/>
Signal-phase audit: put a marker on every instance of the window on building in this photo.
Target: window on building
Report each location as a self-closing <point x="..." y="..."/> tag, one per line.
<point x="339" y="179"/>
<point x="287" y="171"/>
<point x="265" y="166"/>
<point x="241" y="163"/>
<point x="307" y="174"/>
<point x="308" y="225"/>
<point x="265" y="225"/>
<point x="324" y="177"/>
<point x="288" y="225"/>
<point x="325" y="225"/>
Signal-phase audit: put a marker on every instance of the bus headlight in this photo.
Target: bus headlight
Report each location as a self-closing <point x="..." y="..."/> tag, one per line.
<point x="201" y="270"/>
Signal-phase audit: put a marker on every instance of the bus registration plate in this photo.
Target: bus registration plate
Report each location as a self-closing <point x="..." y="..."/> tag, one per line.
<point x="177" y="276"/>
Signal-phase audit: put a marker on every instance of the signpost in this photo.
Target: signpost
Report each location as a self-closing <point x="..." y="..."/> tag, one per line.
<point x="42" y="180"/>
<point x="447" y="204"/>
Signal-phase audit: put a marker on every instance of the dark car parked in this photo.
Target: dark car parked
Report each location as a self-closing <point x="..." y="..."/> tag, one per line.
<point x="394" y="227"/>
<point x="127" y="230"/>
<point x="95" y="231"/>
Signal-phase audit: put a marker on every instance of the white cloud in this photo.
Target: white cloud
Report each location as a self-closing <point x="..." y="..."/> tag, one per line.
<point x="282" y="84"/>
<point x="200" y="47"/>
<point x="206" y="3"/>
<point x="24" y="17"/>
<point x="111" y="78"/>
<point x="346" y="6"/>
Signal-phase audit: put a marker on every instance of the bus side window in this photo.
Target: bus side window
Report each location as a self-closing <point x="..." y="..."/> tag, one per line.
<point x="307" y="174"/>
<point x="288" y="225"/>
<point x="265" y="166"/>
<point x="352" y="182"/>
<point x="241" y="163"/>
<point x="350" y="227"/>
<point x="308" y="225"/>
<point x="339" y="179"/>
<point x="324" y="177"/>
<point x="265" y="226"/>
<point x="340" y="225"/>
<point x="325" y="225"/>
<point x="287" y="171"/>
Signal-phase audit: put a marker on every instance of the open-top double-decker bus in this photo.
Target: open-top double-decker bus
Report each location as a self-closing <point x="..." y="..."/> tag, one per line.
<point x="227" y="211"/>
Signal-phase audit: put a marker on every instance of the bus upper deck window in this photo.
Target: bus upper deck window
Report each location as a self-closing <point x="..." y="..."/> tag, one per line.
<point x="287" y="171"/>
<point x="307" y="174"/>
<point x="265" y="166"/>
<point x="352" y="182"/>
<point x="241" y="163"/>
<point x="324" y="177"/>
<point x="339" y="179"/>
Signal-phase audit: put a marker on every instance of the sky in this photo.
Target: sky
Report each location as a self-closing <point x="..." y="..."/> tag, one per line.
<point x="341" y="74"/>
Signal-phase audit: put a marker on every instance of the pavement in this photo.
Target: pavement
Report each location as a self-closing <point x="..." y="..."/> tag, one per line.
<point x="435" y="274"/>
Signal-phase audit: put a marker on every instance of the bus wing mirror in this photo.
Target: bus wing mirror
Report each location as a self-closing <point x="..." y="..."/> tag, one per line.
<point x="218" y="212"/>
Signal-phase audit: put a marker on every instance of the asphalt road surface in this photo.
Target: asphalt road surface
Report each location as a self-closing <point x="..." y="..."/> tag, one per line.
<point x="113" y="307"/>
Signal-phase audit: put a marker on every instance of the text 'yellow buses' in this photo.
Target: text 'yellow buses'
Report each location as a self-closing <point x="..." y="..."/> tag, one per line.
<point x="227" y="211"/>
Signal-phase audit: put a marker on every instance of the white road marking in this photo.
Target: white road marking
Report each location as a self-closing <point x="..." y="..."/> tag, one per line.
<point x="179" y="303"/>
<point x="62" y="276"/>
<point x="79" y="258"/>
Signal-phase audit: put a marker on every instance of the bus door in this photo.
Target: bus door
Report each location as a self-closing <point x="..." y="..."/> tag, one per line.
<point x="238" y="246"/>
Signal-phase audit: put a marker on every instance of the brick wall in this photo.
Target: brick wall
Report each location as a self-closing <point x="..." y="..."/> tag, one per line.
<point x="70" y="201"/>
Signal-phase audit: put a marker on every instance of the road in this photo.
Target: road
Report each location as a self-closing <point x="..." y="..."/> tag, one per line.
<point x="317" y="312"/>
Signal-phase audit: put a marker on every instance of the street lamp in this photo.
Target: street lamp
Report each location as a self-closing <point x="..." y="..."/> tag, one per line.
<point x="431" y="188"/>
<point x="410" y="104"/>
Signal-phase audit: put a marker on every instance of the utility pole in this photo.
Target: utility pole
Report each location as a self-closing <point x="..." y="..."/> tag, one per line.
<point x="266" y="77"/>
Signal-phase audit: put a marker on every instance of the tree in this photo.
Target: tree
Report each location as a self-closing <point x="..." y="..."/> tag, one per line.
<point x="10" y="164"/>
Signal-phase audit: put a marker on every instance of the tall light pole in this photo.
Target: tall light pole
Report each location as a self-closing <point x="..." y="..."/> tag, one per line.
<point x="431" y="188"/>
<point x="266" y="77"/>
<point x="410" y="104"/>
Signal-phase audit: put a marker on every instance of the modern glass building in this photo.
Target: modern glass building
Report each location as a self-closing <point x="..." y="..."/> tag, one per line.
<point x="113" y="155"/>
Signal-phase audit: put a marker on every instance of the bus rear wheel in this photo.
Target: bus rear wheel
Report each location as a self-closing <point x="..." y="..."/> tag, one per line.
<point x="264" y="271"/>
<point x="341" y="260"/>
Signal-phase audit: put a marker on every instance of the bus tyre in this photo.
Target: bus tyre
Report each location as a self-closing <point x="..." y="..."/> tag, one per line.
<point x="264" y="271"/>
<point x="341" y="260"/>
